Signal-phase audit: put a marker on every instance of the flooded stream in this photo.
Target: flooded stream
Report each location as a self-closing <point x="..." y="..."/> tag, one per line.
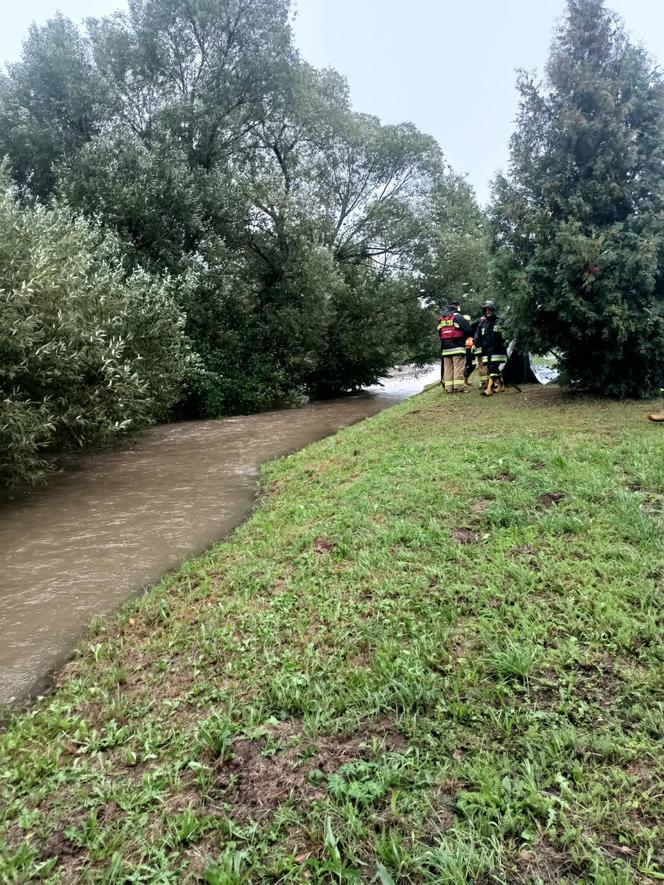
<point x="98" y="535"/>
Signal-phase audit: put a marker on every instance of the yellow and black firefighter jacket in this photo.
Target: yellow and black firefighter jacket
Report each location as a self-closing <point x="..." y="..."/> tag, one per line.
<point x="453" y="329"/>
<point x="489" y="341"/>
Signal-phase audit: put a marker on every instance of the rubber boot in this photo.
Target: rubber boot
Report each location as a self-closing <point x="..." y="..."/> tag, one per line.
<point x="499" y="385"/>
<point x="488" y="390"/>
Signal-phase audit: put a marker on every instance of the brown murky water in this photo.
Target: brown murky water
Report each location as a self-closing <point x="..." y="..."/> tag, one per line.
<point x="96" y="536"/>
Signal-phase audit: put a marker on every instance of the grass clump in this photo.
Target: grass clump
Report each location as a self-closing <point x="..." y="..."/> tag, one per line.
<point x="433" y="654"/>
<point x="512" y="660"/>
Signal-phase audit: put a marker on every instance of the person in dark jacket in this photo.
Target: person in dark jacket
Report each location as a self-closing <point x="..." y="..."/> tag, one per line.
<point x="490" y="342"/>
<point x="453" y="329"/>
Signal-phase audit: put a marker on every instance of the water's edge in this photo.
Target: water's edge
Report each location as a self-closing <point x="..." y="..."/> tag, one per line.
<point x="105" y="532"/>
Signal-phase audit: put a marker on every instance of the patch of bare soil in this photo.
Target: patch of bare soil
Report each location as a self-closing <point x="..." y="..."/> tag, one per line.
<point x="254" y="784"/>
<point x="550" y="498"/>
<point x="527" y="555"/>
<point x="599" y="683"/>
<point x="442" y="817"/>
<point x="13" y="836"/>
<point x="480" y="507"/>
<point x="545" y="691"/>
<point x="466" y="536"/>
<point x="642" y="772"/>
<point x="523" y="550"/>
<point x="544" y="864"/>
<point x="654" y="504"/>
<point x="323" y="545"/>
<point x="58" y="844"/>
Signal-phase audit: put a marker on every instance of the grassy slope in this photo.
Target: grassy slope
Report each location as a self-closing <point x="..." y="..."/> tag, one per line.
<point x="348" y="691"/>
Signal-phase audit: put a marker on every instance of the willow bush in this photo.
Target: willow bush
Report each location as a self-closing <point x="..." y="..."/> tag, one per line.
<point x="87" y="352"/>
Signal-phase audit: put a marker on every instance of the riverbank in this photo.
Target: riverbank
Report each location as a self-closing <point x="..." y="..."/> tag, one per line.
<point x="432" y="654"/>
<point x="94" y="537"/>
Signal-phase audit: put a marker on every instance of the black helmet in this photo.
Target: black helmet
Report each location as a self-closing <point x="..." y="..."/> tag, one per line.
<point x="490" y="305"/>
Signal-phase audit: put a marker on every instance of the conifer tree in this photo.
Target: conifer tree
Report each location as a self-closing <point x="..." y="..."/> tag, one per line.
<point x="579" y="218"/>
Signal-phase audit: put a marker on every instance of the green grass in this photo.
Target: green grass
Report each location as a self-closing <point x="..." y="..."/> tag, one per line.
<point x="433" y="654"/>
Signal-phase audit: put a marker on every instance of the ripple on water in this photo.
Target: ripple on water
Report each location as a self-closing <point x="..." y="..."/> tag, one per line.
<point x="99" y="534"/>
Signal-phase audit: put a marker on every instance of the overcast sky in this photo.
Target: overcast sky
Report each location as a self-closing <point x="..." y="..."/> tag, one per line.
<point x="446" y="65"/>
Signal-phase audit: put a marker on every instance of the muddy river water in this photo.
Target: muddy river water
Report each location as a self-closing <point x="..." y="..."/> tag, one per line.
<point x="100" y="534"/>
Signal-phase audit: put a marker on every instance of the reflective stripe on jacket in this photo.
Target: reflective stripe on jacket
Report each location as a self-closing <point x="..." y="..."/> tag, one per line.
<point x="489" y="339"/>
<point x="453" y="329"/>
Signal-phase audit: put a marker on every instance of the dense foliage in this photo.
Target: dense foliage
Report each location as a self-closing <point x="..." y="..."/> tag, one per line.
<point x="456" y="259"/>
<point x="300" y="232"/>
<point x="307" y="245"/>
<point x="579" y="220"/>
<point x="86" y="352"/>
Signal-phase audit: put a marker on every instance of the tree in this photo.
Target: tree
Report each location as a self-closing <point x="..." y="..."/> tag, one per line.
<point x="87" y="353"/>
<point x="579" y="218"/>
<point x="456" y="248"/>
<point x="204" y="70"/>
<point x="51" y="103"/>
<point x="295" y="229"/>
<point x="348" y="197"/>
<point x="147" y="194"/>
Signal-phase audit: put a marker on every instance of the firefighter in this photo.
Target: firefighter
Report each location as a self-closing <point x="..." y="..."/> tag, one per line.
<point x="453" y="329"/>
<point x="490" y="343"/>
